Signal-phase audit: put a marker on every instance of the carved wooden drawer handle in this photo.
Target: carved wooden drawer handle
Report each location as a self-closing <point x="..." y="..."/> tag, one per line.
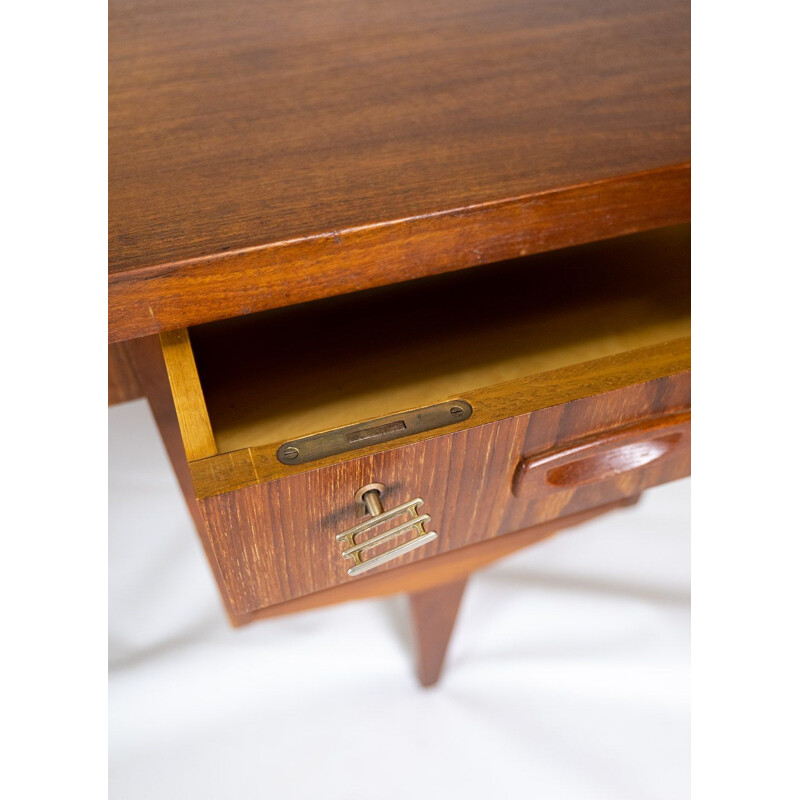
<point x="415" y="524"/>
<point x="604" y="456"/>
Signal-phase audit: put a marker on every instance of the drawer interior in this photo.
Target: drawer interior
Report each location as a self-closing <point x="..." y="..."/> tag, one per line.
<point x="286" y="373"/>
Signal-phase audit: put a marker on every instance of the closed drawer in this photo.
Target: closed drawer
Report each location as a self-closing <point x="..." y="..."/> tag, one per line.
<point x="568" y="376"/>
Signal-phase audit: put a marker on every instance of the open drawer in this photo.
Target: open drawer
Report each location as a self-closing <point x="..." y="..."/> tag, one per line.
<point x="500" y="396"/>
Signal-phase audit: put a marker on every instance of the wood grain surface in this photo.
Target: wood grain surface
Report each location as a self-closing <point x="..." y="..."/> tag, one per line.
<point x="276" y="541"/>
<point x="263" y="154"/>
<point x="434" y="570"/>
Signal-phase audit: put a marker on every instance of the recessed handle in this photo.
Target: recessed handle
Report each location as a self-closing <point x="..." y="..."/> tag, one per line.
<point x="604" y="456"/>
<point x="370" y="496"/>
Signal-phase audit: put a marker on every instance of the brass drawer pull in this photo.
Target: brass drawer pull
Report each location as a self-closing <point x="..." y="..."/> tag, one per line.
<point x="370" y="496"/>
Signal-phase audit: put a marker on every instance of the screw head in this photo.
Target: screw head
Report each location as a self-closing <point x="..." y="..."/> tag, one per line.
<point x="456" y="411"/>
<point x="291" y="452"/>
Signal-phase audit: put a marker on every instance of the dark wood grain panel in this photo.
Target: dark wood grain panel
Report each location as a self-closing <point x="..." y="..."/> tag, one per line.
<point x="262" y="153"/>
<point x="434" y="570"/>
<point x="276" y="541"/>
<point x="276" y="275"/>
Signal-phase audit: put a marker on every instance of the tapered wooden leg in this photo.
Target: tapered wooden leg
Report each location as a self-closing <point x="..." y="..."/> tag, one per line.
<point x="152" y="374"/>
<point x="433" y="613"/>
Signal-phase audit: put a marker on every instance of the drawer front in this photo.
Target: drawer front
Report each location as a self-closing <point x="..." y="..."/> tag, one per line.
<point x="277" y="541"/>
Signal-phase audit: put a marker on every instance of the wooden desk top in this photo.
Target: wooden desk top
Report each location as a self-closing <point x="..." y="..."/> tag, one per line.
<point x="264" y="153"/>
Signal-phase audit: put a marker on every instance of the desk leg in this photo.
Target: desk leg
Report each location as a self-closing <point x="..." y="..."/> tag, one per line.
<point x="152" y="374"/>
<point x="433" y="613"/>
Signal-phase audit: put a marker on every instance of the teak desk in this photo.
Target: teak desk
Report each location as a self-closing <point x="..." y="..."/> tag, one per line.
<point x="452" y="238"/>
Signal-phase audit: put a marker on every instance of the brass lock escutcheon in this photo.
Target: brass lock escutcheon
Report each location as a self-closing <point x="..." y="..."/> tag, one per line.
<point x="375" y="431"/>
<point x="369" y="495"/>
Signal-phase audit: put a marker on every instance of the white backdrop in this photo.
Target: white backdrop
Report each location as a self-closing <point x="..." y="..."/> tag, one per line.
<point x="567" y="677"/>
